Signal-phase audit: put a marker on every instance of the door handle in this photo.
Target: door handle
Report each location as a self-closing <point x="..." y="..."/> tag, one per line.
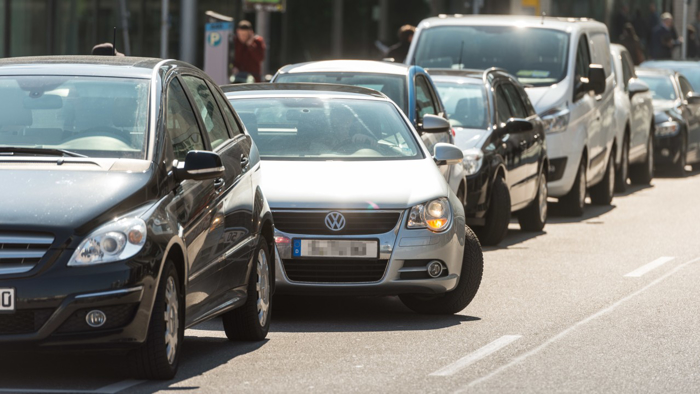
<point x="245" y="161"/>
<point x="219" y="184"/>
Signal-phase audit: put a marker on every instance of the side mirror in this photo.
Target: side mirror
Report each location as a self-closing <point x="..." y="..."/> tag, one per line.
<point x="693" y="98"/>
<point x="447" y="154"/>
<point x="596" y="79"/>
<point x="435" y="124"/>
<point x="515" y="125"/>
<point x="200" y="165"/>
<point x="636" y="85"/>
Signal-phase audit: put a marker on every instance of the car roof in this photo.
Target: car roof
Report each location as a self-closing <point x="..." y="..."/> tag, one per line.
<point x="670" y="63"/>
<point x="360" y="66"/>
<point x="563" y="24"/>
<point x="654" y="71"/>
<point x="116" y="66"/>
<point x="302" y="89"/>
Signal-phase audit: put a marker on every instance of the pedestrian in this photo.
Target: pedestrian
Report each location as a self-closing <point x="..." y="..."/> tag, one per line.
<point x="249" y="51"/>
<point x="664" y="38"/>
<point x="692" y="50"/>
<point x="641" y="28"/>
<point x="630" y="41"/>
<point x="619" y="21"/>
<point x="399" y="51"/>
<point x="696" y="27"/>
<point x="105" y="49"/>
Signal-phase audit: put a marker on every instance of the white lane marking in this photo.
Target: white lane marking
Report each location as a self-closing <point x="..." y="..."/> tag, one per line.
<point x="566" y="332"/>
<point x="648" y="267"/>
<point x="109" y="389"/>
<point x="477" y="355"/>
<point x="119" y="386"/>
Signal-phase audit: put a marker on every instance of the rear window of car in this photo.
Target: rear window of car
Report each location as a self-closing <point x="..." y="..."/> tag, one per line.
<point x="465" y="104"/>
<point x="661" y="87"/>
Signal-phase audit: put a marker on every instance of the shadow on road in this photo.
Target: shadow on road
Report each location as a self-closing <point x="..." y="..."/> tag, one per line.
<point x="632" y="189"/>
<point x="556" y="216"/>
<point x="515" y="237"/>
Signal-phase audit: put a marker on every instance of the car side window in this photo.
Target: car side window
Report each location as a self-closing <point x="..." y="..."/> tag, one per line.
<point x="226" y="109"/>
<point x="517" y="108"/>
<point x="686" y="88"/>
<point x="424" y="101"/>
<point x="502" y="108"/>
<point x="180" y="122"/>
<point x="583" y="58"/>
<point x="209" y="111"/>
<point x="627" y="70"/>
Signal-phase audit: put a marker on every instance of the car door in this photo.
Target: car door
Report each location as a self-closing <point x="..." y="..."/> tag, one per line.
<point x="226" y="248"/>
<point x="510" y="142"/>
<point x="691" y="113"/>
<point x="639" y="111"/>
<point x="603" y="134"/>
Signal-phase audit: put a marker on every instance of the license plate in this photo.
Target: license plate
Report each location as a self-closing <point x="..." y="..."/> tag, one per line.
<point x="7" y="300"/>
<point x="335" y="248"/>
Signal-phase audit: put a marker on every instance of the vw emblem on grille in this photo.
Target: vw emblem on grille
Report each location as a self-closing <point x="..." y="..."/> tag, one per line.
<point x="335" y="221"/>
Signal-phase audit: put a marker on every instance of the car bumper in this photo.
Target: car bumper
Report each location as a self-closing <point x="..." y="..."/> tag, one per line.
<point x="567" y="155"/>
<point x="477" y="197"/>
<point x="667" y="149"/>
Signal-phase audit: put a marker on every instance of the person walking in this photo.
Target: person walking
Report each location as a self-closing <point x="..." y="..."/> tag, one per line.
<point x="249" y="51"/>
<point x="630" y="41"/>
<point x="619" y="21"/>
<point x="399" y="51"/>
<point x="664" y="38"/>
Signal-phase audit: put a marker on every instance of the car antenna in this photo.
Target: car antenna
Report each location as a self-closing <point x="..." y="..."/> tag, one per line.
<point x="114" y="42"/>
<point x="543" y="15"/>
<point x="461" y="52"/>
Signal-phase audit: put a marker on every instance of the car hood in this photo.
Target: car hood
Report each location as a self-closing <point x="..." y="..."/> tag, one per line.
<point x="391" y="184"/>
<point x="67" y="200"/>
<point x="545" y="98"/>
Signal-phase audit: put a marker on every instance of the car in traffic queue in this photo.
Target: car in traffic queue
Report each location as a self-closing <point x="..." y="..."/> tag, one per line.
<point x="690" y="69"/>
<point x="410" y="87"/>
<point x="505" y="153"/>
<point x="131" y="209"/>
<point x="677" y="118"/>
<point x="565" y="66"/>
<point x="359" y="204"/>
<point x="634" y="119"/>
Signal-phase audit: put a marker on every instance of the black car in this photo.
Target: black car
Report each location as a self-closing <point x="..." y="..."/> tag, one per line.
<point x="677" y="118"/>
<point x="131" y="209"/>
<point x="505" y="155"/>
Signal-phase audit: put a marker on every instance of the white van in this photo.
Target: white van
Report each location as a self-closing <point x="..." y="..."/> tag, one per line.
<point x="565" y="65"/>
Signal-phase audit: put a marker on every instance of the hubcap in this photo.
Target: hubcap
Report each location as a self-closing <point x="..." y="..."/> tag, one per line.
<point x="543" y="198"/>
<point x="172" y="319"/>
<point x="582" y="187"/>
<point x="263" y="288"/>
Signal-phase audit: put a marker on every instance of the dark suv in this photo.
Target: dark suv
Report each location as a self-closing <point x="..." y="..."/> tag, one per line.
<point x="131" y="209"/>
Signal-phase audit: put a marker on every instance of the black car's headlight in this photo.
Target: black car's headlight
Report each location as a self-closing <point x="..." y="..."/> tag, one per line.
<point x="666" y="128"/>
<point x="114" y="241"/>
<point x="435" y="215"/>
<point x="472" y="160"/>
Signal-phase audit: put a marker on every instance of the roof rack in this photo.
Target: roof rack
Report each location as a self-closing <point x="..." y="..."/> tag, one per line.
<point x="321" y="87"/>
<point x="465" y="71"/>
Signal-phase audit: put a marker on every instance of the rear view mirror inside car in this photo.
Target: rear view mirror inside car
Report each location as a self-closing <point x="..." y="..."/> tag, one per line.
<point x="46" y="101"/>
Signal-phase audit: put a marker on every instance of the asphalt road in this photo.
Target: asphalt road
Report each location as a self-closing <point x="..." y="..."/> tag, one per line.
<point x="603" y="303"/>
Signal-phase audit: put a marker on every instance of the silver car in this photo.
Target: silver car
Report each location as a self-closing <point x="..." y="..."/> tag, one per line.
<point x="359" y="204"/>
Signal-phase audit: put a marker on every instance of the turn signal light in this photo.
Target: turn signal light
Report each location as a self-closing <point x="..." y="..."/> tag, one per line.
<point x="436" y="224"/>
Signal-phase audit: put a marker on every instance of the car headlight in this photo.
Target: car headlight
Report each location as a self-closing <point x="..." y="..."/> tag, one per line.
<point x="666" y="128"/>
<point x="114" y="241"/>
<point x="435" y="215"/>
<point x="472" y="160"/>
<point x="556" y="120"/>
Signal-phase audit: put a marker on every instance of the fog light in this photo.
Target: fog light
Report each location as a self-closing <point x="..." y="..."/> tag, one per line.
<point x="665" y="152"/>
<point x="434" y="269"/>
<point x="95" y="319"/>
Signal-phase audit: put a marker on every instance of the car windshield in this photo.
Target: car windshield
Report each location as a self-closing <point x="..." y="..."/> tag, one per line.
<point x="535" y="56"/>
<point x="393" y="86"/>
<point x="465" y="104"/>
<point x="90" y="116"/>
<point x="661" y="87"/>
<point x="305" y="128"/>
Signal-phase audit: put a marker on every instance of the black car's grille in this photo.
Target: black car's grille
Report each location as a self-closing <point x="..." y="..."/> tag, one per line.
<point x="20" y="252"/>
<point x="334" y="271"/>
<point x="117" y="316"/>
<point x="356" y="223"/>
<point x="24" y="321"/>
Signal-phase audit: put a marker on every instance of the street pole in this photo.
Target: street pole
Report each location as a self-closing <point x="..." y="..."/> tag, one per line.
<point x="125" y="27"/>
<point x="164" y="10"/>
<point x="337" y="29"/>
<point x="684" y="46"/>
<point x="188" y="27"/>
<point x="262" y="25"/>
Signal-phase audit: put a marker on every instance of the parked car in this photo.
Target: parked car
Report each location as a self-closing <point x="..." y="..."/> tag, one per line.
<point x="566" y="67"/>
<point x="505" y="154"/>
<point x="634" y="119"/>
<point x="360" y="206"/>
<point x="688" y="68"/>
<point x="677" y="117"/>
<point x="409" y="87"/>
<point x="131" y="209"/>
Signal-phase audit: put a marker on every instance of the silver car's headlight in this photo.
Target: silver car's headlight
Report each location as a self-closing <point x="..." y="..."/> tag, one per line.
<point x="435" y="215"/>
<point x="556" y="120"/>
<point x="114" y="241"/>
<point x="666" y="128"/>
<point x="472" y="160"/>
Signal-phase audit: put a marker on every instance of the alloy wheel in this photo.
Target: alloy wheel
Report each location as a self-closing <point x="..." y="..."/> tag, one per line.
<point x="263" y="287"/>
<point x="172" y="319"/>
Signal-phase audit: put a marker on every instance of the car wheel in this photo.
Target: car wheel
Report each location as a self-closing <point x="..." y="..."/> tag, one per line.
<point x="679" y="166"/>
<point x="643" y="173"/>
<point x="497" y="216"/>
<point x="602" y="193"/>
<point x="574" y="202"/>
<point x="469" y="280"/>
<point x="534" y="217"/>
<point x="623" y="171"/>
<point x="251" y="322"/>
<point x="159" y="356"/>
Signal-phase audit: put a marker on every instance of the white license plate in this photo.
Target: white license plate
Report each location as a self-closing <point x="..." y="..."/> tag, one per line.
<point x="335" y="248"/>
<point x="7" y="300"/>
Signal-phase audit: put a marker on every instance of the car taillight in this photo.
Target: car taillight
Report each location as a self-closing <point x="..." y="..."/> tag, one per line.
<point x="453" y="132"/>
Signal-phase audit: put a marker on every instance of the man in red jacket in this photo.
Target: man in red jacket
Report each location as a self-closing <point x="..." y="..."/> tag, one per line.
<point x="249" y="51"/>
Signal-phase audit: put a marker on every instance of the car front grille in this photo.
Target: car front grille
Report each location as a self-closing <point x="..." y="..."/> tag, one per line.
<point x="335" y="271"/>
<point x="20" y="252"/>
<point x="356" y="222"/>
<point x="24" y="321"/>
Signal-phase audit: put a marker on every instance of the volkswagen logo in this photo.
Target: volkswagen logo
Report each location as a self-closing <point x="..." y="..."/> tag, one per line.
<point x="335" y="221"/>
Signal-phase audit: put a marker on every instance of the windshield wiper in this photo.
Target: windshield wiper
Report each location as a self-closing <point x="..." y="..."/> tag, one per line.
<point x="39" y="151"/>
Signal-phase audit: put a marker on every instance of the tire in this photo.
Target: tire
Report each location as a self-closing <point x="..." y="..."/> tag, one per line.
<point x="498" y="215"/>
<point x="575" y="201"/>
<point x="678" y="168"/>
<point x="643" y="173"/>
<point x="456" y="300"/>
<point x="534" y="217"/>
<point x="159" y="356"/>
<point x="602" y="193"/>
<point x="622" y="172"/>
<point x="251" y="322"/>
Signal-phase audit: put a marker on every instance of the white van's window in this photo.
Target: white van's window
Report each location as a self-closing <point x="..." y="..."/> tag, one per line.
<point x="583" y="59"/>
<point x="536" y="56"/>
<point x="601" y="50"/>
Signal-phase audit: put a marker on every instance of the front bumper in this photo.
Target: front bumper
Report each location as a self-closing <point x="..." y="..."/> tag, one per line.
<point x="667" y="149"/>
<point x="565" y="153"/>
<point x="477" y="197"/>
